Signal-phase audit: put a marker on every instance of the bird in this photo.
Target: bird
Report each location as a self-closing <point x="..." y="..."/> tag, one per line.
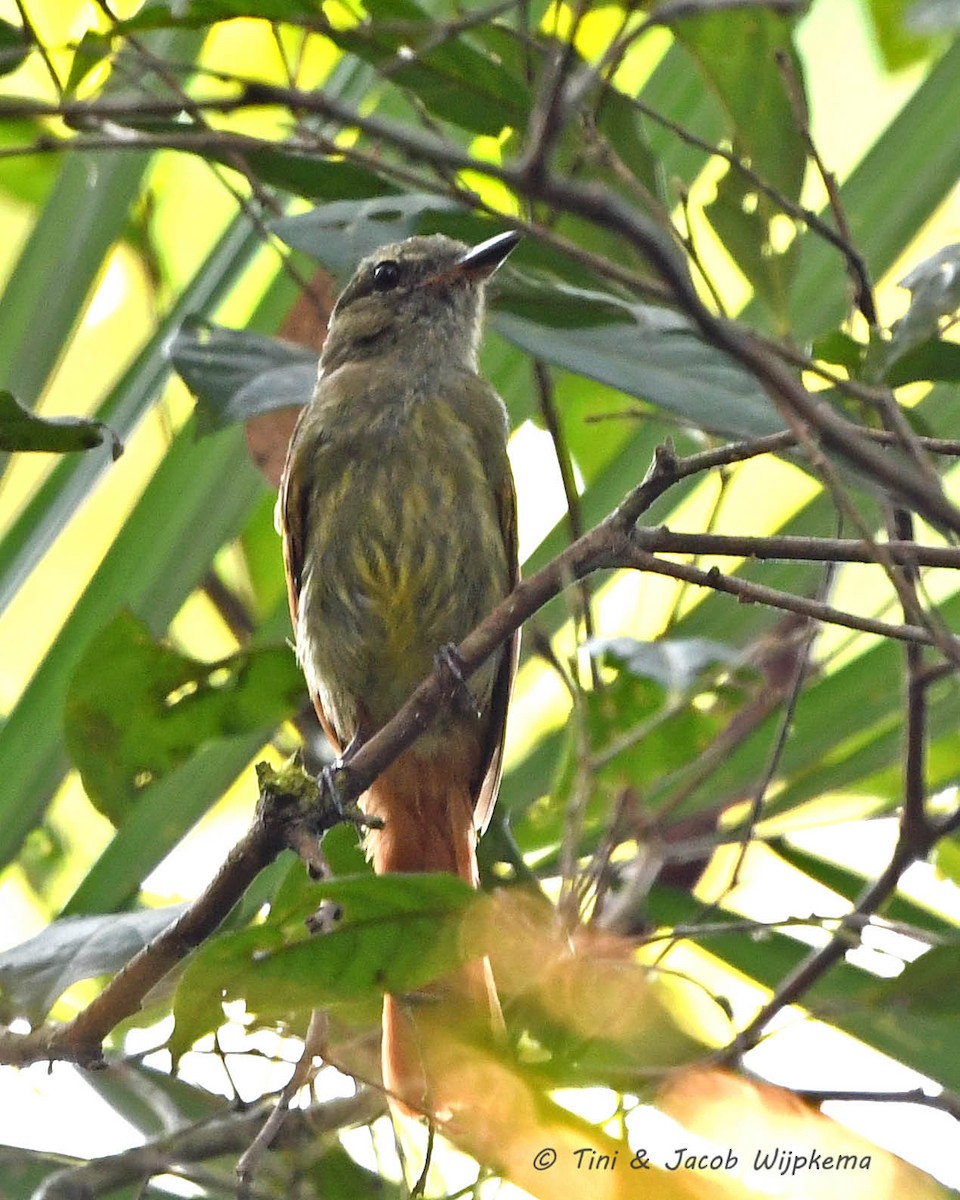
<point x="398" y="518"/>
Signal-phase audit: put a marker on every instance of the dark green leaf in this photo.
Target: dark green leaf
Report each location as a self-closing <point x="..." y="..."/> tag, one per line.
<point x="312" y="177"/>
<point x="456" y="79"/>
<point x="136" y="708"/>
<point x="194" y="14"/>
<point x="655" y="356"/>
<point x="931" y="983"/>
<point x="341" y="233"/>
<point x="624" y="128"/>
<point x="678" y="90"/>
<point x="14" y="47"/>
<point x="840" y="347"/>
<point x="35" y="973"/>
<point x="144" y="1096"/>
<point x="933" y="359"/>
<point x="217" y="364"/>
<point x="335" y="1176"/>
<point x="738" y="53"/>
<point x="922" y="145"/>
<point x="23" y="1171"/>
<point x="22" y="430"/>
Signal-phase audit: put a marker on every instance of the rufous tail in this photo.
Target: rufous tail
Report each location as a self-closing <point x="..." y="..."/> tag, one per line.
<point x="427" y="813"/>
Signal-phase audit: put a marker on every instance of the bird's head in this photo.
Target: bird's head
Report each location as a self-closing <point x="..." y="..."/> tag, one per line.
<point x="422" y="297"/>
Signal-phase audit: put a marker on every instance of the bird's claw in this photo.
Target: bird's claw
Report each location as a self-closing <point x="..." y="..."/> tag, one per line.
<point x="329" y="788"/>
<point x="450" y="667"/>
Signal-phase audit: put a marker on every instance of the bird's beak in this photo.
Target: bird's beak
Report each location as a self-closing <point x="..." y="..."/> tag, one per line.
<point x="481" y="261"/>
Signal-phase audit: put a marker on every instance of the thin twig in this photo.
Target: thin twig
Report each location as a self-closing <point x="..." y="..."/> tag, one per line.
<point x="302" y="1072"/>
<point x="205" y="1140"/>
<point x="80" y="1040"/>
<point x="551" y="418"/>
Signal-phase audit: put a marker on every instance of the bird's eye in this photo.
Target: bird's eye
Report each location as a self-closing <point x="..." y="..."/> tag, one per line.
<point x="386" y="275"/>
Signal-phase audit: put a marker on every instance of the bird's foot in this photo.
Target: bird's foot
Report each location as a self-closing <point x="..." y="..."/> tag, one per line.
<point x="453" y="678"/>
<point x="335" y="809"/>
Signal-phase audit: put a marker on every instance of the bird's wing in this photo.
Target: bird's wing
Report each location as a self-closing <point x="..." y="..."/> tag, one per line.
<point x="291" y="519"/>
<point x="492" y="759"/>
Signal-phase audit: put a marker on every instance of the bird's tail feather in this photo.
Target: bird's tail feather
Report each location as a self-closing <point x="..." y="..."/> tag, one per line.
<point x="427" y="812"/>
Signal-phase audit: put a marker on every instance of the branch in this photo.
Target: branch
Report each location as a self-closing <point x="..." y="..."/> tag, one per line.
<point x="294" y="818"/>
<point x="211" y="1139"/>
<point x="278" y="824"/>
<point x="810" y="417"/>
<point x="948" y="1102"/>
<point x="797" y="549"/>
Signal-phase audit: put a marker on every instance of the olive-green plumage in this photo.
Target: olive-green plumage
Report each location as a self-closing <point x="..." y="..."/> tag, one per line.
<point x="399" y="524"/>
<point x="408" y="552"/>
<point x="398" y="498"/>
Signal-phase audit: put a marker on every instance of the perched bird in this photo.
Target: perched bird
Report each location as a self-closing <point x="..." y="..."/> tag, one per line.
<point x="398" y="518"/>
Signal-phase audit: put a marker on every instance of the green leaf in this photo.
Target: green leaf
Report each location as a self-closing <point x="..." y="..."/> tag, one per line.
<point x="922" y="145"/>
<point x="678" y="90"/>
<point x="737" y="52"/>
<point x="21" y="430"/>
<point x="456" y="79"/>
<point x="624" y="127"/>
<point x="29" y="178"/>
<point x="194" y="14"/>
<point x="311" y="177"/>
<point x="163" y="815"/>
<point x="144" y="1096"/>
<point x="339" y="234"/>
<point x="92" y="49"/>
<point x="896" y="35"/>
<point x="930" y="360"/>
<point x="928" y="984"/>
<point x="35" y="973"/>
<point x="397" y="933"/>
<point x="657" y="357"/>
<point x="72" y="479"/>
<point x="741" y="215"/>
<point x="136" y="708"/>
<point x="84" y="216"/>
<point x="947" y="858"/>
<point x="845" y="995"/>
<point x="236" y="374"/>
<point x="336" y="1174"/>
<point x="198" y="498"/>
<point x="14" y="47"/>
<point x="840" y="347"/>
<point x="370" y="898"/>
<point x="852" y="885"/>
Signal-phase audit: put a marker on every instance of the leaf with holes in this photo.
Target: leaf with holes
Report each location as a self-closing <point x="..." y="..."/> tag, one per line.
<point x="137" y="708"/>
